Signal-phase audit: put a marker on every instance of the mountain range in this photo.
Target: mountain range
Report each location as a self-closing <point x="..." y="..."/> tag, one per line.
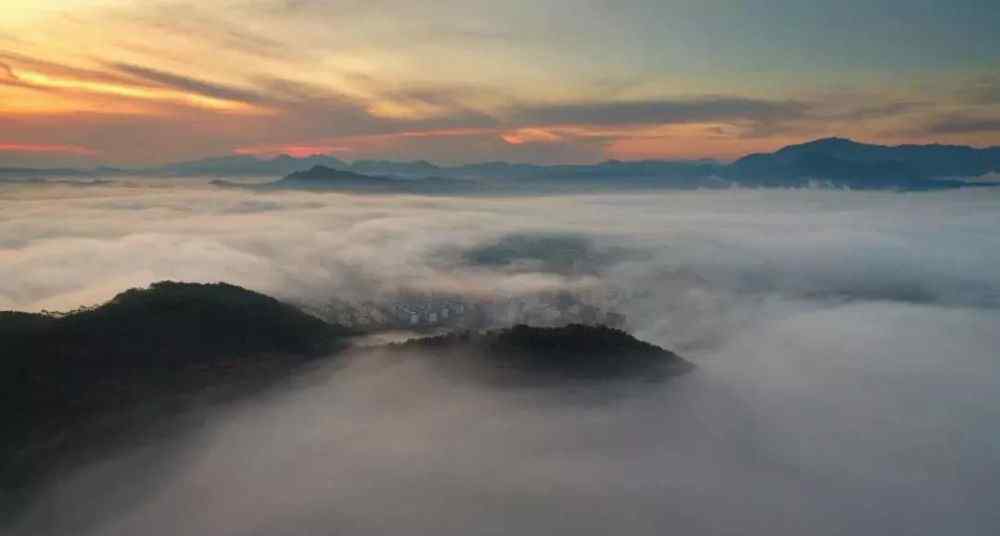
<point x="842" y="162"/>
<point x="833" y="162"/>
<point x="324" y="178"/>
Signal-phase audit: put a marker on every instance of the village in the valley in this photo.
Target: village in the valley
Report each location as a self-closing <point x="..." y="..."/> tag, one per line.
<point x="428" y="312"/>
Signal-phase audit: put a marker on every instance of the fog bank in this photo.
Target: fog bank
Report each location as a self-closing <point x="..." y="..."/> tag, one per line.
<point x="846" y="347"/>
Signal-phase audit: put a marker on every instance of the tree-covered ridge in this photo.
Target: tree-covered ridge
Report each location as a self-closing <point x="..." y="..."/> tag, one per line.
<point x="573" y="351"/>
<point x="175" y="323"/>
<point x="145" y="344"/>
<point x="100" y="375"/>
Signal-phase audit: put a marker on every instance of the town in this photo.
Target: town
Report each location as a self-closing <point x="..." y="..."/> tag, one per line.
<point x="418" y="311"/>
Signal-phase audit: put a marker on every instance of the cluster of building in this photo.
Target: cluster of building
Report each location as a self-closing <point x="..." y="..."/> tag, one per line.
<point x="428" y="312"/>
<point x="422" y="311"/>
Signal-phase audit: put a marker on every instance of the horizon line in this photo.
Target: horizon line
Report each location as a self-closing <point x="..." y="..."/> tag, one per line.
<point x="270" y="157"/>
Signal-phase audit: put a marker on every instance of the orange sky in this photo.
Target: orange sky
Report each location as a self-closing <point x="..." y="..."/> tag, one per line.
<point x="132" y="83"/>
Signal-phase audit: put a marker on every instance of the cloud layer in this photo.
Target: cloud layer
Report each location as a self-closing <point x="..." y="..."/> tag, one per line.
<point x="845" y="344"/>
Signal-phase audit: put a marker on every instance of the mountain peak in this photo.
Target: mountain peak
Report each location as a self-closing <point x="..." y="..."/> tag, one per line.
<point x="320" y="171"/>
<point x="533" y="353"/>
<point x="827" y="144"/>
<point x="833" y="140"/>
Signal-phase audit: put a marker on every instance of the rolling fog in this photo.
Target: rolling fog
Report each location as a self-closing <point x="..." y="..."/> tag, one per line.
<point x="846" y="346"/>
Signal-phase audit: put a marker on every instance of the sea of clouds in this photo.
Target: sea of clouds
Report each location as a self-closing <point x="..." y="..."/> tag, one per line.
<point x="846" y="345"/>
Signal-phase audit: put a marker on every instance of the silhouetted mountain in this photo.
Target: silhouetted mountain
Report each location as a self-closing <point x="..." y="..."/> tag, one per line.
<point x="178" y="322"/>
<point x="24" y="173"/>
<point x="414" y="169"/>
<point x="326" y="178"/>
<point x="247" y="165"/>
<point x="845" y="163"/>
<point x="525" y="354"/>
<point x="931" y="161"/>
<point x="834" y="162"/>
<point x="681" y="172"/>
<point x="73" y="180"/>
<point x="637" y="173"/>
<point x="566" y="179"/>
<point x="322" y="178"/>
<point x="494" y="170"/>
<point x="142" y="346"/>
<point x="101" y="377"/>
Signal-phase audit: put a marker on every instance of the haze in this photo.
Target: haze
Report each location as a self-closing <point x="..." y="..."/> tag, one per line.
<point x="845" y="344"/>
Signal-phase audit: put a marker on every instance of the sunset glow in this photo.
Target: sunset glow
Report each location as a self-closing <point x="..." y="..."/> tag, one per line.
<point x="499" y="267"/>
<point x="255" y="77"/>
<point x="29" y="148"/>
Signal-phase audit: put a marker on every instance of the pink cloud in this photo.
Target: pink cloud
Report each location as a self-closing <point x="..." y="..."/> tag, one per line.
<point x="77" y="150"/>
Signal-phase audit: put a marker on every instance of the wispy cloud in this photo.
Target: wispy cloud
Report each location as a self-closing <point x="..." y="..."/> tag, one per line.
<point x="963" y="124"/>
<point x="188" y="84"/>
<point x="879" y="111"/>
<point x="662" y="111"/>
<point x="384" y="79"/>
<point x="50" y="148"/>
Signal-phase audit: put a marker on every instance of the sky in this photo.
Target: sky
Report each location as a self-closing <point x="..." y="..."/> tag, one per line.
<point x="122" y="82"/>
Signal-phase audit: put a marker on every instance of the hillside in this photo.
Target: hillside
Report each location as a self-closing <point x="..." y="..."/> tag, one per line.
<point x="845" y="163"/>
<point x="526" y="354"/>
<point x="327" y="179"/>
<point x="142" y="348"/>
<point x="102" y="377"/>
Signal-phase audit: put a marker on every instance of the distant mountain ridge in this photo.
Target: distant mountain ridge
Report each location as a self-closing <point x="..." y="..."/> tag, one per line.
<point x="833" y="162"/>
<point x="249" y="165"/>
<point x="835" y="159"/>
<point x="323" y="178"/>
<point x="843" y="162"/>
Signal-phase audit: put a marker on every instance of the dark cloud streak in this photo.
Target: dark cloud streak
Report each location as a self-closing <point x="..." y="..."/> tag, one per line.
<point x="962" y="124"/>
<point x="184" y="83"/>
<point x="985" y="91"/>
<point x="215" y="29"/>
<point x="667" y="111"/>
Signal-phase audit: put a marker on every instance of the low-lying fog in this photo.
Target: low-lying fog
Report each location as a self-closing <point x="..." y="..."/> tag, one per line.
<point x="846" y="344"/>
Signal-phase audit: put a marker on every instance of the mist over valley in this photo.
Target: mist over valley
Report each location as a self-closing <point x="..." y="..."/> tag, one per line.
<point x="842" y="351"/>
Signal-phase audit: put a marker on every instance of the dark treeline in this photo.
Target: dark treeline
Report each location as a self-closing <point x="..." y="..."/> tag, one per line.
<point x="533" y="354"/>
<point x="94" y="377"/>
